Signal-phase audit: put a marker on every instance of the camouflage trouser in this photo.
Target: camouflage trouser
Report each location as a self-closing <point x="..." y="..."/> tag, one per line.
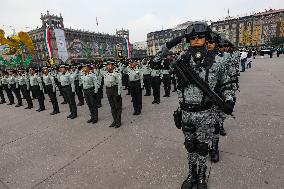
<point x="199" y="125"/>
<point x="198" y="128"/>
<point x="217" y="128"/>
<point x="219" y="123"/>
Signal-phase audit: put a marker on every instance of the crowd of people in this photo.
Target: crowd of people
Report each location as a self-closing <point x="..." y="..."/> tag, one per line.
<point x="215" y="60"/>
<point x="247" y="56"/>
<point x="86" y="81"/>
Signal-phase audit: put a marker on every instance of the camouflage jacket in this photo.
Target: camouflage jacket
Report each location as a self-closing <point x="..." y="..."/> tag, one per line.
<point x="216" y="77"/>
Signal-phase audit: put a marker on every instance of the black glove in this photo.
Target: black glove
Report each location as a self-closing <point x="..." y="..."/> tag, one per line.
<point x="174" y="42"/>
<point x="228" y="107"/>
<point x="178" y="118"/>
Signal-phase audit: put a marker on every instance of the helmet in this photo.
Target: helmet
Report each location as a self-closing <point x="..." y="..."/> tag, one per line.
<point x="214" y="37"/>
<point x="197" y="28"/>
<point x="222" y="42"/>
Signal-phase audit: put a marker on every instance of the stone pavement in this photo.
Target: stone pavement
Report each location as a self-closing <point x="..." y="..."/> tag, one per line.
<point x="147" y="152"/>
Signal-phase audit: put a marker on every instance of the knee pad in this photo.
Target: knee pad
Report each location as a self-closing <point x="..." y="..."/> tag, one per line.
<point x="190" y="145"/>
<point x="202" y="148"/>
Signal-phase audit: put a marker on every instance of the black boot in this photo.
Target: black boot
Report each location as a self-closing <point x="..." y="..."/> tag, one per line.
<point x="113" y="124"/>
<point x="191" y="178"/>
<point x="73" y="116"/>
<point x="54" y="112"/>
<point x="215" y="150"/>
<point x="80" y="104"/>
<point x="90" y="120"/>
<point x="117" y="125"/>
<point x="192" y="172"/>
<point x="29" y="107"/>
<point x="202" y="184"/>
<point x="69" y="116"/>
<point x="95" y="120"/>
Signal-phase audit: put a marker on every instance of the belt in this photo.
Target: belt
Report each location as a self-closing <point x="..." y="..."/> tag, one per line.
<point x="136" y="81"/>
<point x="195" y="108"/>
<point x="112" y="87"/>
<point x="66" y="86"/>
<point x="90" y="88"/>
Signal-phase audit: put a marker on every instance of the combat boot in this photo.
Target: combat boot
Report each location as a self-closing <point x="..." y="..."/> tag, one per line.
<point x="201" y="183"/>
<point x="215" y="150"/>
<point x="191" y="178"/>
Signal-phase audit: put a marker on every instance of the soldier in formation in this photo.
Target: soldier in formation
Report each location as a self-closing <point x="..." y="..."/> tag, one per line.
<point x="24" y="85"/>
<point x="68" y="90"/>
<point x="50" y="87"/>
<point x="113" y="83"/>
<point x="90" y="88"/>
<point x="136" y="86"/>
<point x="37" y="88"/>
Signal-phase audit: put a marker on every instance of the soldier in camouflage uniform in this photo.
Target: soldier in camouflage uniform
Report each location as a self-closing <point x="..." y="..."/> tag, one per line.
<point x="199" y="114"/>
<point x="227" y="57"/>
<point x="224" y="58"/>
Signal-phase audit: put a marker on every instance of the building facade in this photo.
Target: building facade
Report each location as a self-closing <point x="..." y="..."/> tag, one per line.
<point x="141" y="45"/>
<point x="80" y="44"/>
<point x="158" y="38"/>
<point x="253" y="30"/>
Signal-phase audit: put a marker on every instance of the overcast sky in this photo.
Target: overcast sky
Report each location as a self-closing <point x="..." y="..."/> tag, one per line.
<point x="139" y="16"/>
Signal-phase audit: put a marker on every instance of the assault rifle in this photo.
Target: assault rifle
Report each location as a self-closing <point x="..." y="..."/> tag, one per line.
<point x="187" y="73"/>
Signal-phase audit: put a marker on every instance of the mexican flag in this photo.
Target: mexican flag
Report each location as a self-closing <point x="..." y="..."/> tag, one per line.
<point x="47" y="41"/>
<point x="128" y="48"/>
